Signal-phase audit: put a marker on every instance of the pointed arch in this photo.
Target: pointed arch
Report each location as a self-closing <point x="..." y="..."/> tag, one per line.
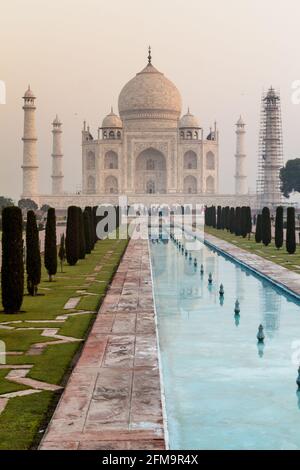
<point x="210" y="160"/>
<point x="190" y="184"/>
<point x="151" y="164"/>
<point x="111" y="185"/>
<point x="90" y="161"/>
<point x="111" y="160"/>
<point x="91" y="184"/>
<point x="190" y="160"/>
<point x="210" y="184"/>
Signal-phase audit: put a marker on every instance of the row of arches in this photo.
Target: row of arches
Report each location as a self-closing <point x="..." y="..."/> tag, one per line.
<point x="110" y="185"/>
<point x="189" y="135"/>
<point x="110" y="161"/>
<point x="111" y="134"/>
<point x="189" y="185"/>
<point x="189" y="161"/>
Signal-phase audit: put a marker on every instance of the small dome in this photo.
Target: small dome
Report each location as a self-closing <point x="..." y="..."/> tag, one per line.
<point x="240" y="122"/>
<point x="29" y="93"/>
<point x="189" y="121"/>
<point x="56" y="121"/>
<point x="112" y="120"/>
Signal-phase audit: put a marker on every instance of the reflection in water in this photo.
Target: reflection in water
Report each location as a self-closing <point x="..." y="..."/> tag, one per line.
<point x="210" y="263"/>
<point x="237" y="319"/>
<point x="260" y="348"/>
<point x="239" y="282"/>
<point x="271" y="308"/>
<point x="189" y="269"/>
<point x="298" y="398"/>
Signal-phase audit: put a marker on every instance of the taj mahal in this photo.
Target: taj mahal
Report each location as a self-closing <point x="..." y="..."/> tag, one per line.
<point x="150" y="152"/>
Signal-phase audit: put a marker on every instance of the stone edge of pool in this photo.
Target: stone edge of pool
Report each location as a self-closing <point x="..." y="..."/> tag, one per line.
<point x="114" y="399"/>
<point x="282" y="277"/>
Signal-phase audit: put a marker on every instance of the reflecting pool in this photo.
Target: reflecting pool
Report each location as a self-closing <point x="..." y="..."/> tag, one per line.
<point x="224" y="390"/>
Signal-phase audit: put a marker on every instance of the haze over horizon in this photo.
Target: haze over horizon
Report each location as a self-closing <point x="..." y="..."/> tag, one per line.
<point x="77" y="56"/>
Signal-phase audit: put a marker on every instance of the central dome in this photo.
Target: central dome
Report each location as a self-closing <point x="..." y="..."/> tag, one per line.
<point x="150" y="95"/>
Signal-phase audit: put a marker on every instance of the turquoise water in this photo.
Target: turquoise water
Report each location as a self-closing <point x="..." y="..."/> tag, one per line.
<point x="222" y="391"/>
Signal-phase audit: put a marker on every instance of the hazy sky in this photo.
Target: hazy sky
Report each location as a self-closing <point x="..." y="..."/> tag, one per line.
<point x="77" y="55"/>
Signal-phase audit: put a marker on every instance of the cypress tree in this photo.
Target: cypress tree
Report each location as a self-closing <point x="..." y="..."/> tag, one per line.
<point x="118" y="216"/>
<point x="95" y="221"/>
<point x="222" y="218"/>
<point x="33" y="254"/>
<point x="279" y="227"/>
<point x="248" y="221"/>
<point x="238" y="221"/>
<point x="82" y="247"/>
<point x="213" y="217"/>
<point x="72" y="236"/>
<point x="244" y="224"/>
<point x="207" y="216"/>
<point x="62" y="251"/>
<point x="266" y="226"/>
<point x="227" y="218"/>
<point x="219" y="214"/>
<point x="290" y="231"/>
<point x="12" y="271"/>
<point x="50" y="254"/>
<point x="232" y="220"/>
<point x="91" y="227"/>
<point x="258" y="231"/>
<point x="87" y="235"/>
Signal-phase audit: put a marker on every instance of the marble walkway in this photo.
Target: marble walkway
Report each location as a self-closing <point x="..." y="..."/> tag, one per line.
<point x="283" y="276"/>
<point x="113" y="397"/>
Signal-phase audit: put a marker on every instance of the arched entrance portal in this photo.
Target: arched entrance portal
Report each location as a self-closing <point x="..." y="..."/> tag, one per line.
<point x="190" y="184"/>
<point x="150" y="187"/>
<point x="150" y="172"/>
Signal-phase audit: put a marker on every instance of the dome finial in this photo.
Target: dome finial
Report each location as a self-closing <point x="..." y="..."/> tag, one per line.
<point x="149" y="55"/>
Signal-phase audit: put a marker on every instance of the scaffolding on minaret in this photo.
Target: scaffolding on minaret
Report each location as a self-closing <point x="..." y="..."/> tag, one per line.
<point x="270" y="151"/>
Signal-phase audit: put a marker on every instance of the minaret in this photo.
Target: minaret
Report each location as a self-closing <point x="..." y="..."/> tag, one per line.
<point x="240" y="159"/>
<point x="30" y="162"/>
<point x="57" y="156"/>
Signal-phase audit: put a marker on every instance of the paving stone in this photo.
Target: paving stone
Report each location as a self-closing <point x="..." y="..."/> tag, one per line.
<point x="72" y="303"/>
<point x="124" y="323"/>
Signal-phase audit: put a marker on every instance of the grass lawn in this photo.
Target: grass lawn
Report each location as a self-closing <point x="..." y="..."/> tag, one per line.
<point x="270" y="252"/>
<point x="25" y="417"/>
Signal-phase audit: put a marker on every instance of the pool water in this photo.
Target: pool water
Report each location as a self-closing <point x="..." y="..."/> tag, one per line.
<point x="222" y="389"/>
